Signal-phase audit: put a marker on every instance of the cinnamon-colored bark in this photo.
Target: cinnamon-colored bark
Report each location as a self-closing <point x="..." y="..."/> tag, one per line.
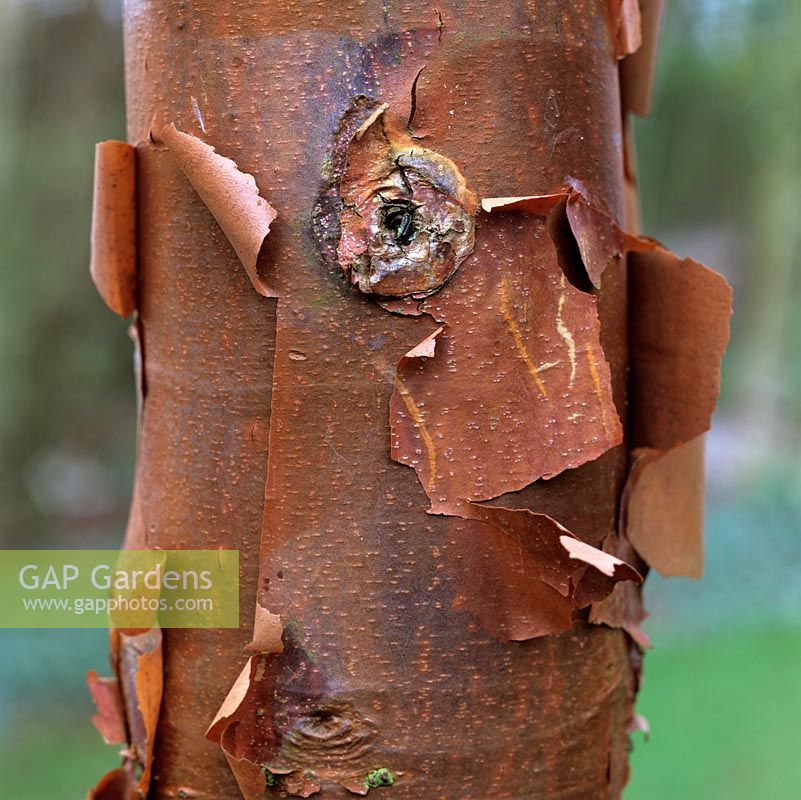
<point x="265" y="423"/>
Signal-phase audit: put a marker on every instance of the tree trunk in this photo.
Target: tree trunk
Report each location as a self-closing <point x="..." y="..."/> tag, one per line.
<point x="393" y="653"/>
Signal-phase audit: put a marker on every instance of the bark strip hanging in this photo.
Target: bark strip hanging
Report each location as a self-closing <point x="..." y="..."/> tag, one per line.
<point x="231" y="195"/>
<point x="113" y="241"/>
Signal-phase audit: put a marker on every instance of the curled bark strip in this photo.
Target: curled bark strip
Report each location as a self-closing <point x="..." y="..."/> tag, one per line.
<point x="599" y="240"/>
<point x="637" y="69"/>
<point x="238" y="719"/>
<point x="639" y="724"/>
<point x="137" y="660"/>
<point x="665" y="508"/>
<point x="623" y="608"/>
<point x="525" y="575"/>
<point x="231" y="195"/>
<point x="142" y="682"/>
<point x="427" y="347"/>
<point x="113" y="242"/>
<point x="606" y="564"/>
<point x="518" y="388"/>
<point x="267" y="632"/>
<point x="678" y="329"/>
<point x="679" y="314"/>
<point x="110" y="717"/>
<point x="362" y="129"/>
<point x="627" y="22"/>
<point x="532" y="203"/>
<point x="114" y="785"/>
<point x="476" y="421"/>
<point x="405" y="212"/>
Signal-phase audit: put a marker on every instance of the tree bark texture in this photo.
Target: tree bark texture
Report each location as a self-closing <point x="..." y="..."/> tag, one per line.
<point x="265" y="422"/>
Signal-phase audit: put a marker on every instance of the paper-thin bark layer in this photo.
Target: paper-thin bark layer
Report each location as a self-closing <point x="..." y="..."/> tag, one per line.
<point x="142" y="682"/>
<point x="110" y="717"/>
<point x="243" y="734"/>
<point x="129" y="707"/>
<point x="637" y="69"/>
<point x="205" y="396"/>
<point x="623" y="608"/>
<point x="230" y="194"/>
<point x="353" y="565"/>
<point x="665" y="508"/>
<point x="113" y="243"/>
<point x="114" y="785"/>
<point x="679" y="328"/>
<point x="678" y="331"/>
<point x="629" y="26"/>
<point x="679" y="334"/>
<point x="518" y="388"/>
<point x="679" y="314"/>
<point x="524" y="575"/>
<point x="474" y="389"/>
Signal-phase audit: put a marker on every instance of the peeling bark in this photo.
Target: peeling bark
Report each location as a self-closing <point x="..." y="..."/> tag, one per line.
<point x="113" y="242"/>
<point x="467" y="627"/>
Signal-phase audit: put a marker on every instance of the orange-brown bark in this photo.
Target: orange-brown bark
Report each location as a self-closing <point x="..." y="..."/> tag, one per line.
<point x="266" y="419"/>
<point x="519" y="97"/>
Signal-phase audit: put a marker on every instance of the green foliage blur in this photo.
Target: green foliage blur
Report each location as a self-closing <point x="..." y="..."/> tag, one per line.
<point x="720" y="178"/>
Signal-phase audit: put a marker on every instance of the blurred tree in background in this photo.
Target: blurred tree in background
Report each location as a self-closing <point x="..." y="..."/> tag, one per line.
<point x="720" y="177"/>
<point x="66" y="405"/>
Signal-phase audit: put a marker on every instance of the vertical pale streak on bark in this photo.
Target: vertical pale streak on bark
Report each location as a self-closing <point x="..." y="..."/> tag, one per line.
<point x="519" y="95"/>
<point x="420" y="422"/>
<point x="597" y="382"/>
<point x="518" y="340"/>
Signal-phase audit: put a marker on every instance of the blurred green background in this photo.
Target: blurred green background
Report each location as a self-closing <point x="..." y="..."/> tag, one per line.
<point x="720" y="172"/>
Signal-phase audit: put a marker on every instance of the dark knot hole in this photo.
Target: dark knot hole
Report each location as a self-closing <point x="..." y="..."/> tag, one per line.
<point x="399" y="220"/>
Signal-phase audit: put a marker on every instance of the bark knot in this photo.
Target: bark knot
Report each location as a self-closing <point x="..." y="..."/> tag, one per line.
<point x="397" y="218"/>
